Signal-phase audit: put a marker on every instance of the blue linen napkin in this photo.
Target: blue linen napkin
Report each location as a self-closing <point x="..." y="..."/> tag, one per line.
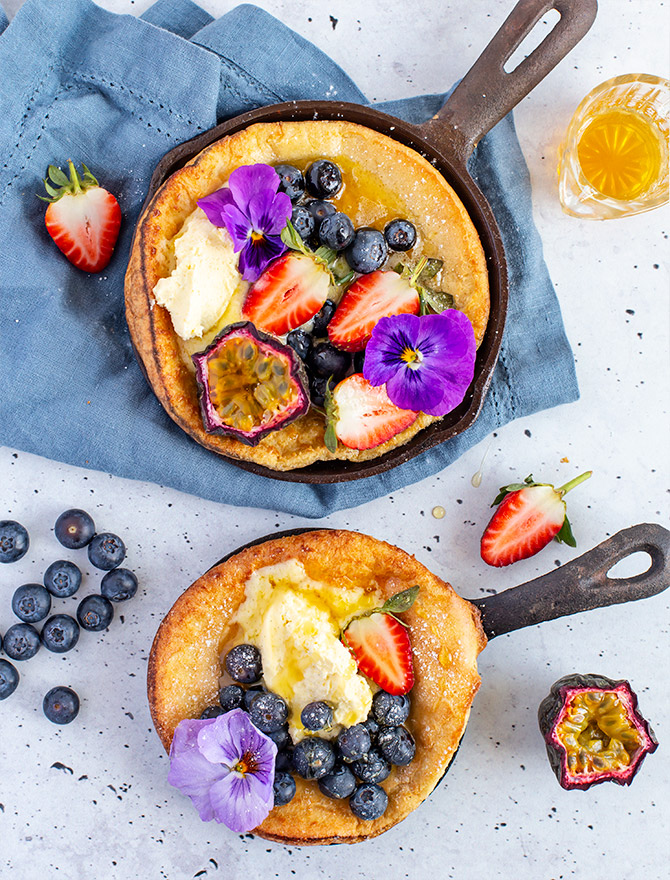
<point x="117" y="92"/>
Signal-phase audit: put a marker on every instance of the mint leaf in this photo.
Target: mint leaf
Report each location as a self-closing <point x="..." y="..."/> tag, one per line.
<point x="402" y="601"/>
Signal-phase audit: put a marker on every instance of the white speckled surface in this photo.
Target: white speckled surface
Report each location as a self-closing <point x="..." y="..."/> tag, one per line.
<point x="90" y="800"/>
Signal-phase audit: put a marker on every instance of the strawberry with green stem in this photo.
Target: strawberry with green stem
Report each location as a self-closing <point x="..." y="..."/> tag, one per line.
<point x="528" y="517"/>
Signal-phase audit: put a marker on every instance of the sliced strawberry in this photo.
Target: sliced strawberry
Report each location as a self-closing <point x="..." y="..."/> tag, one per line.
<point x="290" y="291"/>
<point x="82" y="218"/>
<point x="527" y="519"/>
<point x="363" y="416"/>
<point x="371" y="297"/>
<point x="380" y="644"/>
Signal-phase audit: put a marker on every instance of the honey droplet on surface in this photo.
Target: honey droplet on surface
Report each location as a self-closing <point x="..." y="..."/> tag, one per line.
<point x="438" y="512"/>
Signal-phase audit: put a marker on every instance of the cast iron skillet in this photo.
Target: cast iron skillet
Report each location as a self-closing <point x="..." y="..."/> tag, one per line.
<point x="482" y="98"/>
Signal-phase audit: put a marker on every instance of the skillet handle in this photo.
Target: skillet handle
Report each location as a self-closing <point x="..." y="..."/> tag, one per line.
<point x="582" y="584"/>
<point x="487" y="93"/>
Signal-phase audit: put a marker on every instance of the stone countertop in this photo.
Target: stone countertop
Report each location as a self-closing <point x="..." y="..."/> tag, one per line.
<point x="90" y="800"/>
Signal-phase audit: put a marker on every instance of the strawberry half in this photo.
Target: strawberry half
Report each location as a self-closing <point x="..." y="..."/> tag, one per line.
<point x="529" y="516"/>
<point x="82" y="218"/>
<point x="362" y="416"/>
<point x="290" y="291"/>
<point x="371" y="297"/>
<point x="381" y="646"/>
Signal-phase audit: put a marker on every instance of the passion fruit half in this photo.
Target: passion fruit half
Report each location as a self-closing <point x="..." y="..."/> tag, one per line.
<point x="594" y="731"/>
<point x="249" y="384"/>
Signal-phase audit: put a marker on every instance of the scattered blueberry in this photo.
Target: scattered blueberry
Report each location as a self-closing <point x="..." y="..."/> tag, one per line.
<point x="250" y="695"/>
<point x="9" y="679"/>
<point x="304" y="222"/>
<point x="354" y="742"/>
<point x="118" y="585"/>
<point x="61" y="705"/>
<point x="62" y="578"/>
<point x="325" y="360"/>
<point x="268" y="712"/>
<point x="22" y="641"/>
<point x="106" y="551"/>
<point x="400" y="235"/>
<point x="280" y="737"/>
<point x="359" y="361"/>
<point x="231" y="697"/>
<point x="313" y="757"/>
<point x="211" y="712"/>
<point x="95" y="613"/>
<point x="368" y="251"/>
<point x="284" y="760"/>
<point x="338" y="784"/>
<point x="322" y="319"/>
<point x="291" y="181"/>
<point x="317" y="389"/>
<point x="336" y="231"/>
<point x="60" y="633"/>
<point x="317" y="715"/>
<point x="31" y="603"/>
<point x="74" y="528"/>
<point x="369" y="801"/>
<point x="396" y="744"/>
<point x="284" y="788"/>
<point x="323" y="179"/>
<point x="300" y="342"/>
<point x="14" y="541"/>
<point x="244" y="664"/>
<point x="372" y="767"/>
<point x="389" y="709"/>
<point x="372" y="726"/>
<point x="320" y="210"/>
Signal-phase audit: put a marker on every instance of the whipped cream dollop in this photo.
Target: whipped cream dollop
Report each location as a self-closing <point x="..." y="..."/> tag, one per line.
<point x="295" y="622"/>
<point x="204" y="280"/>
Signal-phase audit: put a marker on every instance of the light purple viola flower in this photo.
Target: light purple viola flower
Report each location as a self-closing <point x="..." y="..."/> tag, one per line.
<point x="227" y="767"/>
<point x="426" y="363"/>
<point x="254" y="214"/>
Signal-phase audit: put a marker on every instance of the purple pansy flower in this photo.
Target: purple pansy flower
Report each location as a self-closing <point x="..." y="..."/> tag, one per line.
<point x="254" y="214"/>
<point x="227" y="767"/>
<point x="426" y="363"/>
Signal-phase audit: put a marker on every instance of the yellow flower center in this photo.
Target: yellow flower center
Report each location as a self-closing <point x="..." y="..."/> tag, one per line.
<point x="246" y="764"/>
<point x="256" y="236"/>
<point x="411" y="357"/>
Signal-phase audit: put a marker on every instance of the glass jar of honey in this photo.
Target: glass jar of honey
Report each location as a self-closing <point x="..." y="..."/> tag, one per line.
<point x="614" y="160"/>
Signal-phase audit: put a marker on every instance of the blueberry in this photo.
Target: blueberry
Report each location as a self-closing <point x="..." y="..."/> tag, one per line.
<point x="106" y="551"/>
<point x="284" y="788"/>
<point x="9" y="679"/>
<point x="231" y="697"/>
<point x="74" y="528"/>
<point x="368" y="251"/>
<point x="354" y="742"/>
<point x="336" y="231"/>
<point x="61" y="705"/>
<point x="95" y="613"/>
<point x="317" y="389"/>
<point x="317" y="715"/>
<point x="291" y="181"/>
<point x="372" y="727"/>
<point x="396" y="744"/>
<point x="322" y="319"/>
<point x="400" y="235"/>
<point x="250" y="695"/>
<point x="389" y="709"/>
<point x="31" y="603"/>
<point x="22" y="641"/>
<point x="372" y="767"/>
<point x="62" y="578"/>
<point x="118" y="585"/>
<point x="359" y="361"/>
<point x="300" y="342"/>
<point x="60" y="633"/>
<point x="244" y="664"/>
<point x="280" y="737"/>
<point x="211" y="712"/>
<point x="369" y="801"/>
<point x="303" y="222"/>
<point x="320" y="210"/>
<point x="14" y="541"/>
<point x="284" y="759"/>
<point x="323" y="179"/>
<point x="325" y="360"/>
<point x="338" y="784"/>
<point x="313" y="757"/>
<point x="268" y="712"/>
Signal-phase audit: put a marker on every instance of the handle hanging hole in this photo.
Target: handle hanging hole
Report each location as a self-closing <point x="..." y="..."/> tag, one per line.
<point x="532" y="40"/>
<point x="632" y="566"/>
